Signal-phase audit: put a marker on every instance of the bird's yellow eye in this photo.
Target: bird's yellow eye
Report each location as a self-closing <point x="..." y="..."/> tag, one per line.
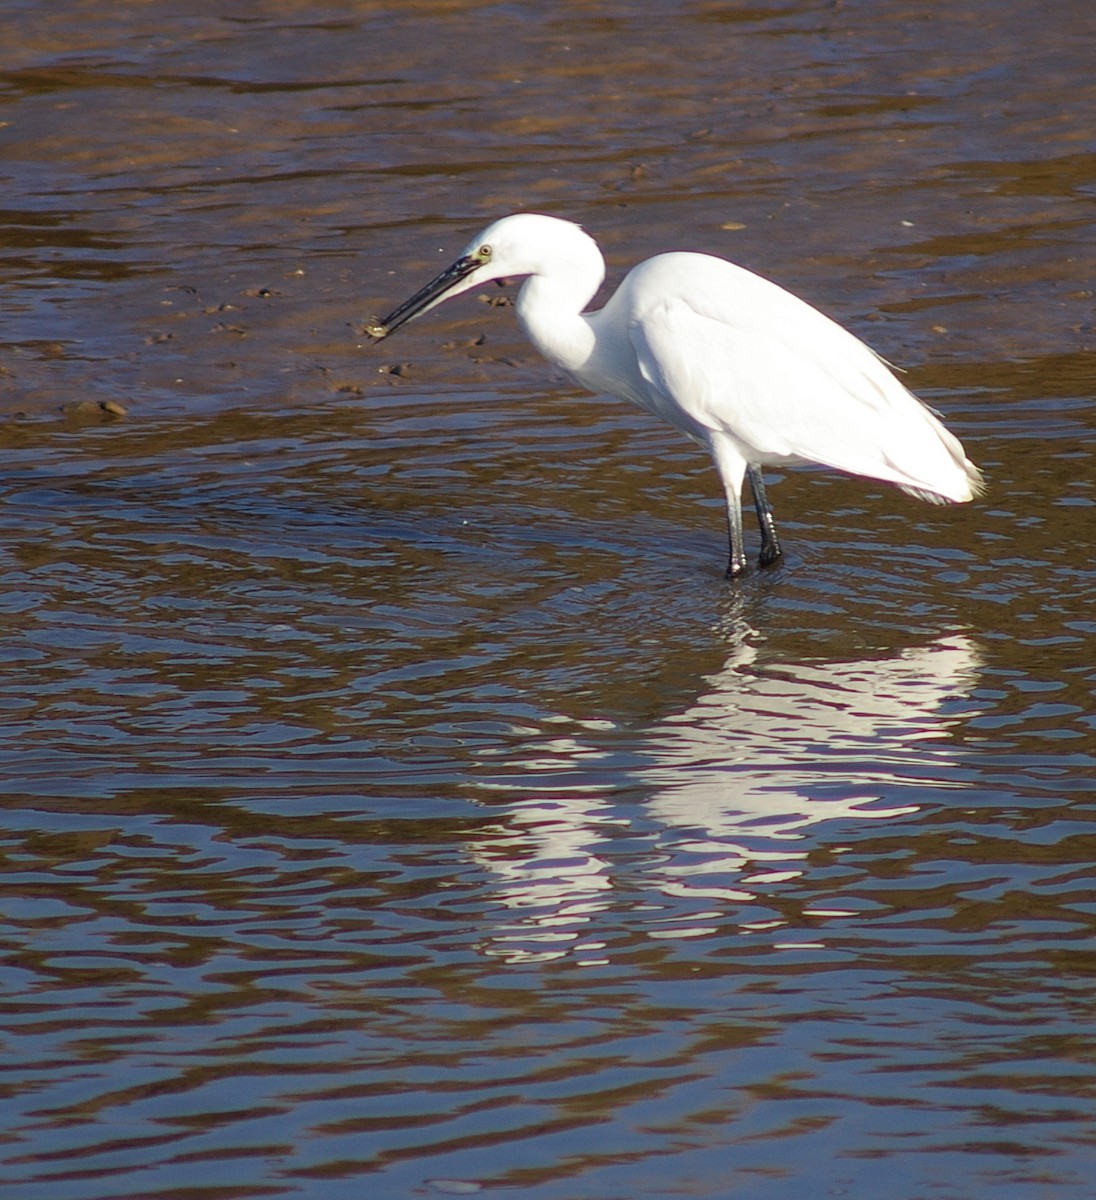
<point x="485" y="251"/>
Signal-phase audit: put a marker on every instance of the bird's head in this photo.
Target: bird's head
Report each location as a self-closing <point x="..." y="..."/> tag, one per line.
<point x="518" y="245"/>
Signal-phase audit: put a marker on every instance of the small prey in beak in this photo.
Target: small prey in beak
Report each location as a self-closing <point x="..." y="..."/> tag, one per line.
<point x="449" y="283"/>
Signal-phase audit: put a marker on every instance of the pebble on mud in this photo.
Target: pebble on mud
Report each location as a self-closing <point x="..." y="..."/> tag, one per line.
<point x="85" y="410"/>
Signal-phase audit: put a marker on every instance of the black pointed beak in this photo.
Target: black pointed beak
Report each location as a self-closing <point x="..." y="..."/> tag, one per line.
<point x="424" y="298"/>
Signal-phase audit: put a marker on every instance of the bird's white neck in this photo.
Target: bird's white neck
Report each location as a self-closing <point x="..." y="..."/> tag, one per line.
<point x="550" y="311"/>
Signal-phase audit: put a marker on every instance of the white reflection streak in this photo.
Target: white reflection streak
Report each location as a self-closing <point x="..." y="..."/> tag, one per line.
<point x="547" y="866"/>
<point x="762" y="755"/>
<point x="762" y="745"/>
<point x="759" y="756"/>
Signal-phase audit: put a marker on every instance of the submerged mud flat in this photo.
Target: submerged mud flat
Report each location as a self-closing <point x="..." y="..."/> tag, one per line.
<point x="395" y="798"/>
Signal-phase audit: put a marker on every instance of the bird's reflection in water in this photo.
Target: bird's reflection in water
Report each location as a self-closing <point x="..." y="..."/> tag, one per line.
<point x="726" y="792"/>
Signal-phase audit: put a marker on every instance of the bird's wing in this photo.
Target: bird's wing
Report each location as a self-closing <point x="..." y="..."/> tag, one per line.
<point x="786" y="382"/>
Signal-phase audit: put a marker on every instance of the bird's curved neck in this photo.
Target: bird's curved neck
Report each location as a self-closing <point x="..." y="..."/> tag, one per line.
<point x="550" y="312"/>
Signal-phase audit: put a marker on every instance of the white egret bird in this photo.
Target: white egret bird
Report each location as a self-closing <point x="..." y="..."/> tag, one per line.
<point x="751" y="372"/>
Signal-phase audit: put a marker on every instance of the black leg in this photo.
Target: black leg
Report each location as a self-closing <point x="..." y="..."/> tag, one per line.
<point x="770" y="544"/>
<point x="736" y="563"/>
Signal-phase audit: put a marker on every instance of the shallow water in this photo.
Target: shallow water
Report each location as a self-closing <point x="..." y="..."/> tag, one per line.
<point x="397" y="801"/>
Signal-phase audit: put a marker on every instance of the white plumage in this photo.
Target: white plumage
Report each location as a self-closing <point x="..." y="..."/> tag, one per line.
<point x="749" y="371"/>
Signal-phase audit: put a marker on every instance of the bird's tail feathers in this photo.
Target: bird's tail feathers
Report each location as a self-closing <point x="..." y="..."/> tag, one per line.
<point x="974" y="484"/>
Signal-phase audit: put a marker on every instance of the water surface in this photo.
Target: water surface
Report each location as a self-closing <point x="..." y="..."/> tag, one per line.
<point x="396" y="799"/>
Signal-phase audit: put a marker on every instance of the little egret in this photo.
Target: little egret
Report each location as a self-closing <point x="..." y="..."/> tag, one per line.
<point x="752" y="373"/>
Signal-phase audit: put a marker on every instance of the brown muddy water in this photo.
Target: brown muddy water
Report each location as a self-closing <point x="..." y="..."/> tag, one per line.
<point x="396" y="800"/>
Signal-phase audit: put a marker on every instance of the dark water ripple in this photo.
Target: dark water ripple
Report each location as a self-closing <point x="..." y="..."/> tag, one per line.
<point x="360" y="830"/>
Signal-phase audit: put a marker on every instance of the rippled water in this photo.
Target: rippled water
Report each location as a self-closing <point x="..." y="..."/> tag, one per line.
<point x="396" y="799"/>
